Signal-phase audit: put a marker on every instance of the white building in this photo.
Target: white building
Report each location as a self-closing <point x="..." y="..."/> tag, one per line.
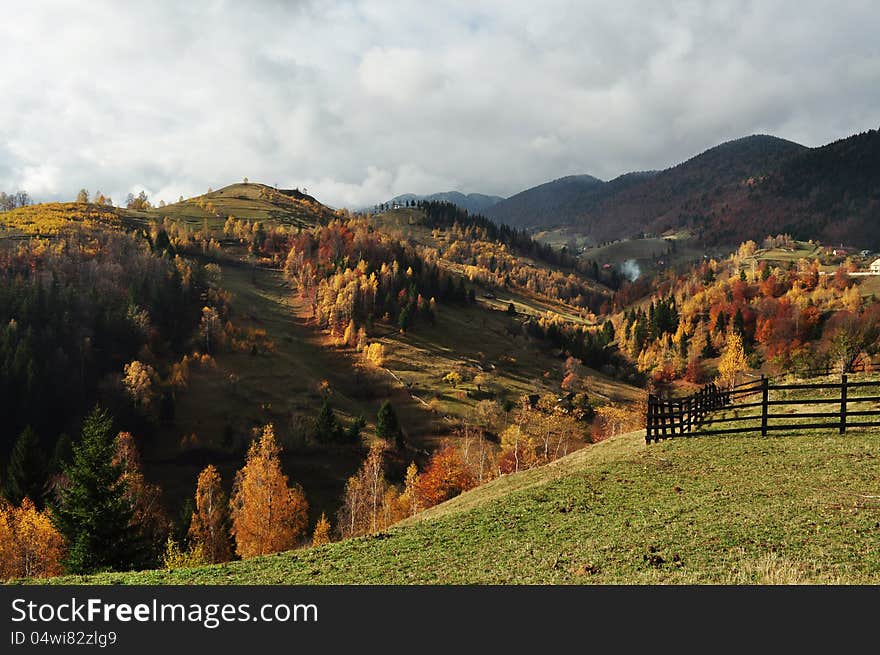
<point x="875" y="267"/>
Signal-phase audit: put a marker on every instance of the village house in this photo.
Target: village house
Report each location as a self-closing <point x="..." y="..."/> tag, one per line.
<point x="875" y="266"/>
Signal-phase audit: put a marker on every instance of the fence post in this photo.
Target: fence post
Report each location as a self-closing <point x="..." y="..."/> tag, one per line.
<point x="765" y="397"/>
<point x="700" y="400"/>
<point x="690" y="406"/>
<point x="650" y="418"/>
<point x="680" y="418"/>
<point x="661" y="406"/>
<point x="843" y="404"/>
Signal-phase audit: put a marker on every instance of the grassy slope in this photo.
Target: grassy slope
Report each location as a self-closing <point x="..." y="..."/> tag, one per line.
<point x="705" y="510"/>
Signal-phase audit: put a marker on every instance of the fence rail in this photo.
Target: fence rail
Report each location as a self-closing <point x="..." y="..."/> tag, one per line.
<point x="700" y="413"/>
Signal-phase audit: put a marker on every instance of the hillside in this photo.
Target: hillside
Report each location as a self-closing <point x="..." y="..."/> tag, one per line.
<point x="548" y="204"/>
<point x="627" y="204"/>
<point x="277" y="366"/>
<point x="739" y="190"/>
<point x="474" y="203"/>
<point x="685" y="511"/>
<point x="831" y="193"/>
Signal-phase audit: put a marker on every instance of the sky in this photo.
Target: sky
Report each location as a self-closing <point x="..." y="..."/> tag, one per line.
<point x="359" y="101"/>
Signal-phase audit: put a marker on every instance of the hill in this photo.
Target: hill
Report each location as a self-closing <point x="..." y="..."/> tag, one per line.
<point x="831" y="193"/>
<point x="474" y="203"/>
<point x="276" y="365"/>
<point x="739" y="190"/>
<point x="685" y="511"/>
<point x="631" y="203"/>
<point x="548" y="204"/>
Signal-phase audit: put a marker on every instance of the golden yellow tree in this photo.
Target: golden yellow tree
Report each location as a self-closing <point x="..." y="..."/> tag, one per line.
<point x="268" y="516"/>
<point x="30" y="546"/>
<point x="733" y="360"/>
<point x="209" y="526"/>
<point x="321" y="535"/>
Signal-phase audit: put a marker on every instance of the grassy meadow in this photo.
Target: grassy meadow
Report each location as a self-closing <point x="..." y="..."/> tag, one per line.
<point x="728" y="510"/>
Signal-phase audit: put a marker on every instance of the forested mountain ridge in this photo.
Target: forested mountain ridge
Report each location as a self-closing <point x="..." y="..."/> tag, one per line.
<point x="743" y="189"/>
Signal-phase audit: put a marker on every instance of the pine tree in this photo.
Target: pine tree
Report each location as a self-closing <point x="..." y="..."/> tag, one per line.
<point x="387" y="426"/>
<point x="326" y="427"/>
<point x="93" y="512"/>
<point x="25" y="474"/>
<point x="739" y="323"/>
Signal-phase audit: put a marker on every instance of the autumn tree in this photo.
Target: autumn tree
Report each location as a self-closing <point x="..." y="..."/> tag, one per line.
<point x="139" y="380"/>
<point x="211" y="328"/>
<point x="148" y="522"/>
<point x="30" y="546"/>
<point x="375" y="354"/>
<point x="268" y="515"/>
<point x="321" y="535"/>
<point x="409" y="498"/>
<point x="849" y="334"/>
<point x="93" y="512"/>
<point x="361" y="510"/>
<point x="446" y="475"/>
<point x="477" y="453"/>
<point x="733" y="360"/>
<point x="209" y="525"/>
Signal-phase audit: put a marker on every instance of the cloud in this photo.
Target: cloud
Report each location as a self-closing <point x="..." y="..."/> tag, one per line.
<point x="362" y="100"/>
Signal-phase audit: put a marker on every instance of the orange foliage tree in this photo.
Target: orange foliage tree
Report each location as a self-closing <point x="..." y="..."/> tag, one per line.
<point x="268" y="516"/>
<point x="445" y="476"/>
<point x="209" y="526"/>
<point x="30" y="546"/>
<point x="148" y="516"/>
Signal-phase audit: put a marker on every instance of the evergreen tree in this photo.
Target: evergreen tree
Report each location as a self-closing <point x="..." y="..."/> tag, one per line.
<point x="739" y="324"/>
<point x="93" y="512"/>
<point x="353" y="433"/>
<point x="26" y="472"/>
<point x="326" y="427"/>
<point x="387" y="426"/>
<point x="62" y="455"/>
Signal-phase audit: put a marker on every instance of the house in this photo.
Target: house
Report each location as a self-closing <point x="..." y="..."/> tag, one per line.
<point x="875" y="267"/>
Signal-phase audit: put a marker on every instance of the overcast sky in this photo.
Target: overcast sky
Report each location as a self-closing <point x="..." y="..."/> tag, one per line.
<point x="360" y="101"/>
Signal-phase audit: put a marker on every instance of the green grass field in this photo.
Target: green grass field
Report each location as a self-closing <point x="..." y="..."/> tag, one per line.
<point x="793" y="509"/>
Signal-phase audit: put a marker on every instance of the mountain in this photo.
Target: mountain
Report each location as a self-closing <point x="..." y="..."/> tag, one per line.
<point x="549" y="203"/>
<point x="473" y="203"/>
<point x="830" y="193"/>
<point x="629" y="203"/>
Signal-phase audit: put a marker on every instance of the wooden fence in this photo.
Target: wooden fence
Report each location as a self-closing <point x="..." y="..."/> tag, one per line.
<point x="700" y="413"/>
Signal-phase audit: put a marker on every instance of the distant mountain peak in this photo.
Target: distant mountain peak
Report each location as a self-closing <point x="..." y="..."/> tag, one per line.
<point x="473" y="203"/>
